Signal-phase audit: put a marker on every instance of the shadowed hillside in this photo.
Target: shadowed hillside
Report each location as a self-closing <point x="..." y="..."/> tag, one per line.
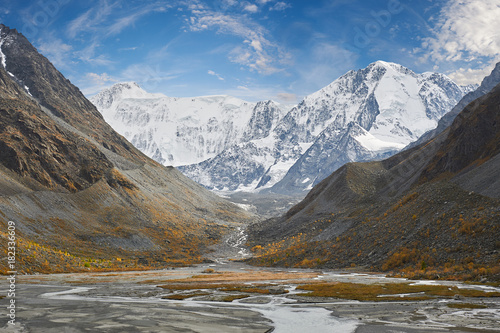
<point x="80" y="195"/>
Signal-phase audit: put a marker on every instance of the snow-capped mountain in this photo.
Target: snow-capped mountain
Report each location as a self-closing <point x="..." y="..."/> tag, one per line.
<point x="230" y="145"/>
<point x="366" y="114"/>
<point x="182" y="131"/>
<point x="469" y="88"/>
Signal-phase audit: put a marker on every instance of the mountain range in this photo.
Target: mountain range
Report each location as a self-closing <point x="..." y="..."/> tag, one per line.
<point x="230" y="145"/>
<point x="80" y="195"/>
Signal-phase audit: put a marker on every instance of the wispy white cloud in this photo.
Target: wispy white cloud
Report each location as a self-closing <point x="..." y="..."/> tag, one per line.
<point x="108" y="19"/>
<point x="92" y="19"/>
<point x="464" y="31"/>
<point x="88" y="55"/>
<point x="56" y="50"/>
<point x="128" y="20"/>
<point x="133" y="48"/>
<point x="465" y="76"/>
<point x="104" y="20"/>
<point x="92" y="83"/>
<point x="256" y="52"/>
<point x="251" y="8"/>
<point x="100" y="79"/>
<point x="280" y="6"/>
<point x="211" y="72"/>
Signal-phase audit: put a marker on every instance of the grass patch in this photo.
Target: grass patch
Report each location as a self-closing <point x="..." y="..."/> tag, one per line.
<point x="235" y="277"/>
<point x="228" y="287"/>
<point x="181" y="297"/>
<point x="372" y="292"/>
<point x="192" y="286"/>
<point x="231" y="298"/>
<point x="247" y="289"/>
<point x="466" y="306"/>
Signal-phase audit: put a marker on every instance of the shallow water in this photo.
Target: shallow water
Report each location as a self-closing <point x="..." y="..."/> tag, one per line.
<point x="122" y="302"/>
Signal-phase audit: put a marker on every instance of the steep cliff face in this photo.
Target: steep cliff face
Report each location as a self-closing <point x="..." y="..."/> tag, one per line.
<point x="80" y="194"/>
<point x="425" y="211"/>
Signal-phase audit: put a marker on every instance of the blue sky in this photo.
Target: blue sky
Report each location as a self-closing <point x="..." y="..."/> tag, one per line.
<point x="255" y="49"/>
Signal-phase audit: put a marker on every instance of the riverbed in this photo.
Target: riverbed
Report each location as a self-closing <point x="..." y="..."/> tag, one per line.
<point x="135" y="302"/>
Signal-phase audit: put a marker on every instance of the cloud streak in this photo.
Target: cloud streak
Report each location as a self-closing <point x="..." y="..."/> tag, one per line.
<point x="257" y="52"/>
<point x="211" y="72"/>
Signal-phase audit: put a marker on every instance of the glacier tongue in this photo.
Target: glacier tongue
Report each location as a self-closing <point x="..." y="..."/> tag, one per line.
<point x="231" y="145"/>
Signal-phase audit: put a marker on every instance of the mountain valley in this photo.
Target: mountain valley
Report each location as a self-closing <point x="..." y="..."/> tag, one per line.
<point x="80" y="195"/>
<point x="84" y="198"/>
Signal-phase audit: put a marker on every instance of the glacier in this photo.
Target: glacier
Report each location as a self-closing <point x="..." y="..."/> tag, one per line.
<point x="230" y="145"/>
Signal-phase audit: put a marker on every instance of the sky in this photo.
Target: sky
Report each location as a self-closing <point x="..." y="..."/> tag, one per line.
<point x="254" y="49"/>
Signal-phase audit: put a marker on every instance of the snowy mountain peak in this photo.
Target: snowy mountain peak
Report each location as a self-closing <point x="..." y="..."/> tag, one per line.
<point x="469" y="88"/>
<point x="386" y="65"/>
<point x="120" y="91"/>
<point x="174" y="131"/>
<point x="228" y="144"/>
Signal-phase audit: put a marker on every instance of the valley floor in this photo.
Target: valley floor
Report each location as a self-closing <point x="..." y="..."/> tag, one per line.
<point x="229" y="296"/>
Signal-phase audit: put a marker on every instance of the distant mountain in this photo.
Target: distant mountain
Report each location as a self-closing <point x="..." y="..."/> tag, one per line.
<point x="364" y="115"/>
<point x="230" y="145"/>
<point x="178" y="131"/>
<point x="81" y="196"/>
<point x="431" y="211"/>
<point x="469" y="88"/>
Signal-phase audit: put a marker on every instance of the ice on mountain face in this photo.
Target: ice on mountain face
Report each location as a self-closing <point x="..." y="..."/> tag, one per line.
<point x="3" y="61"/>
<point x="368" y="114"/>
<point x="183" y="131"/>
<point x="2" y="55"/>
<point x="3" y="58"/>
<point x="469" y="88"/>
<point x="28" y="90"/>
<point x="230" y="145"/>
<point x="376" y="145"/>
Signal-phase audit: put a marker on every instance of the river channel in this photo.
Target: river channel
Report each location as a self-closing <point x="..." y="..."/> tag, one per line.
<point x="145" y="301"/>
<point x="133" y="302"/>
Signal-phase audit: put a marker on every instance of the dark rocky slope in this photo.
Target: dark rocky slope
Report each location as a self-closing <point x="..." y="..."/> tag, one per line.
<point x="432" y="210"/>
<point x="80" y="195"/>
